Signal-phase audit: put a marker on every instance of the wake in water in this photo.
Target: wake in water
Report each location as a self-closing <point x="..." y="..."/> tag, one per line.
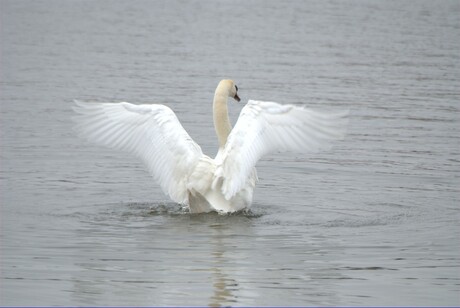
<point x="146" y="209"/>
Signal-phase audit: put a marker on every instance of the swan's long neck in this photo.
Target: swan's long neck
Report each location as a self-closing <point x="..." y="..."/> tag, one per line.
<point x="220" y="113"/>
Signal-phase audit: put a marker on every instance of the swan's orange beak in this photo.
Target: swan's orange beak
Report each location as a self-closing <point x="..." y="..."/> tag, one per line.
<point x="236" y="97"/>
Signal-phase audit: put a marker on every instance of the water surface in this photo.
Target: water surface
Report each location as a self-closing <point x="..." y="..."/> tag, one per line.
<point x="374" y="221"/>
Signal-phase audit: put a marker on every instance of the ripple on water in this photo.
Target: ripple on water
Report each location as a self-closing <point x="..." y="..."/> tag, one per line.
<point x="123" y="211"/>
<point x="147" y="209"/>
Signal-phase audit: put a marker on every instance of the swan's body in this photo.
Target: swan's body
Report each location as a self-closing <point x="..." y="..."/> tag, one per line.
<point x="225" y="183"/>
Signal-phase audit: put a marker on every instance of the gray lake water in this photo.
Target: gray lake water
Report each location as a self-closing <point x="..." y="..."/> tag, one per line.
<point x="374" y="221"/>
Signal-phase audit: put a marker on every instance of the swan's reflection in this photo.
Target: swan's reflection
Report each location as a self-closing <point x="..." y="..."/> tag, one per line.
<point x="228" y="240"/>
<point x="223" y="285"/>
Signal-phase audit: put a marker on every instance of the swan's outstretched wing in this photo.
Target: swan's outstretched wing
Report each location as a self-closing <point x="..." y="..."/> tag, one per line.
<point x="266" y="127"/>
<point x="152" y="132"/>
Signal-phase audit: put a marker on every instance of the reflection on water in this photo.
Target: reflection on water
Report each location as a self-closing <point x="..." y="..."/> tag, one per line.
<point x="374" y="221"/>
<point x="223" y="284"/>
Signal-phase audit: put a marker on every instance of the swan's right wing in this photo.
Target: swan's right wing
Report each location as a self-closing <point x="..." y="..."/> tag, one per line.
<point x="267" y="127"/>
<point x="151" y="132"/>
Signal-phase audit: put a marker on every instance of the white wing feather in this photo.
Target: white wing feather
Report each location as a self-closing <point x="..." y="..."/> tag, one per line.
<point x="267" y="127"/>
<point x="151" y="132"/>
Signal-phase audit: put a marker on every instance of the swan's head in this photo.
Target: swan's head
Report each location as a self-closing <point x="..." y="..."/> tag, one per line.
<point x="230" y="87"/>
<point x="234" y="92"/>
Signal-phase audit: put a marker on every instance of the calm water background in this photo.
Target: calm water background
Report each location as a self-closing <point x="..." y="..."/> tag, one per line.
<point x="374" y="221"/>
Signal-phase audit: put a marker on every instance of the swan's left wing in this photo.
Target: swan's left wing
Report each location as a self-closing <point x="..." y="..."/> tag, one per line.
<point x="267" y="127"/>
<point x="151" y="132"/>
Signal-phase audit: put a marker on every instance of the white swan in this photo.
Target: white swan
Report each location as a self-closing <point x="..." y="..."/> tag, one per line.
<point x="225" y="183"/>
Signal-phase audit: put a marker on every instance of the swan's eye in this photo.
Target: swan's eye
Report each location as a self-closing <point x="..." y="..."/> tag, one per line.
<point x="236" y="88"/>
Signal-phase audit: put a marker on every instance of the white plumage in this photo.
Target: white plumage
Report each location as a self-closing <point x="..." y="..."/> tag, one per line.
<point x="226" y="183"/>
